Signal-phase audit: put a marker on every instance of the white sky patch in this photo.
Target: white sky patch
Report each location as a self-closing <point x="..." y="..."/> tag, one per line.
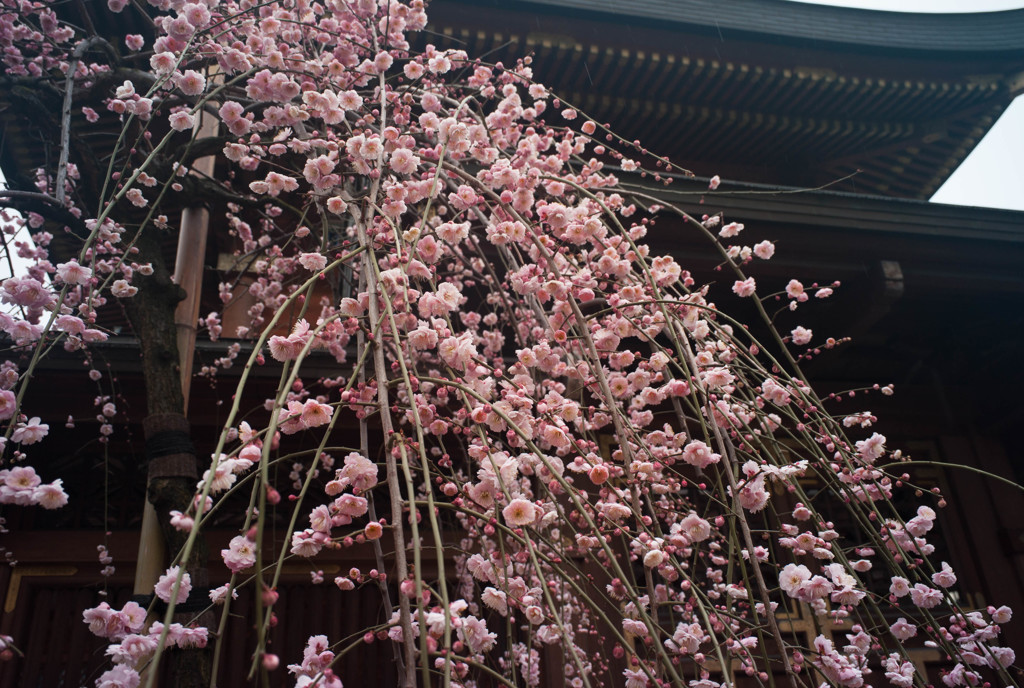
<point x="8" y="252"/>
<point x="992" y="176"/>
<point x="924" y="6"/>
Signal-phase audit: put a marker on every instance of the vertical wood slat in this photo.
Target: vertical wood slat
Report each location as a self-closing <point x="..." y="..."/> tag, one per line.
<point x="236" y="655"/>
<point x="305" y="610"/>
<point x="991" y="456"/>
<point x="59" y="649"/>
<point x="61" y="602"/>
<point x="34" y="634"/>
<point x="982" y="522"/>
<point x="80" y="646"/>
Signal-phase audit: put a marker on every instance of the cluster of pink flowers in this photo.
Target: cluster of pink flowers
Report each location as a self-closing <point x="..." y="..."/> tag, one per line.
<point x="358" y="474"/>
<point x="315" y="669"/>
<point x="22" y="486"/>
<point x="131" y="647"/>
<point x="541" y="380"/>
<point x="135" y="649"/>
<point x="109" y="623"/>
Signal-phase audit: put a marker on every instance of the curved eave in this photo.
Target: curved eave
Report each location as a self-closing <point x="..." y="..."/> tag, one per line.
<point x="993" y="232"/>
<point x="774" y="20"/>
<point x="774" y="116"/>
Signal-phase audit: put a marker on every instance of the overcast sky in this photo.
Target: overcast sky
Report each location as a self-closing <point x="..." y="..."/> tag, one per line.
<point x="993" y="175"/>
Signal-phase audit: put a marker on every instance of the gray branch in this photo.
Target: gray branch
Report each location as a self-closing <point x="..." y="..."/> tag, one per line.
<point x="65" y="113"/>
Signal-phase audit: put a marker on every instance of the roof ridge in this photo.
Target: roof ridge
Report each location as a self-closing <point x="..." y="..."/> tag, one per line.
<point x="983" y="32"/>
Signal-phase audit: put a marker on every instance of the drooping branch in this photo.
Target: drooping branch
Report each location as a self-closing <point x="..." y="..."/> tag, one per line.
<point x="45" y="205"/>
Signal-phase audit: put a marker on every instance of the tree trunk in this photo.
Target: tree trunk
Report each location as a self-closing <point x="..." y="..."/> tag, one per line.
<point x="172" y="461"/>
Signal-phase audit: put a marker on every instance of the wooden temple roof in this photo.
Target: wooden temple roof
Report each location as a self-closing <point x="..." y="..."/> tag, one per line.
<point x="985" y="32"/>
<point x="765" y="90"/>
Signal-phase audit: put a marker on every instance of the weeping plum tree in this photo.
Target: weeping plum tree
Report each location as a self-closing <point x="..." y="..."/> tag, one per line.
<point x="607" y="472"/>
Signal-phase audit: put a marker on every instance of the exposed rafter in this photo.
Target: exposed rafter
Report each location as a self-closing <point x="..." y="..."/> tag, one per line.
<point x="768" y="104"/>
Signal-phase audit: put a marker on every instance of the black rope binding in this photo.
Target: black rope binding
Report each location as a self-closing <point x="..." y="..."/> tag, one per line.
<point x="169" y="442"/>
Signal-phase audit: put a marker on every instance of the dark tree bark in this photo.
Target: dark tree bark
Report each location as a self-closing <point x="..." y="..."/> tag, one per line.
<point x="38" y="107"/>
<point x="172" y="467"/>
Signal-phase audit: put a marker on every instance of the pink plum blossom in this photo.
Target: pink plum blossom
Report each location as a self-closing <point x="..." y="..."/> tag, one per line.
<point x="165" y="585"/>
